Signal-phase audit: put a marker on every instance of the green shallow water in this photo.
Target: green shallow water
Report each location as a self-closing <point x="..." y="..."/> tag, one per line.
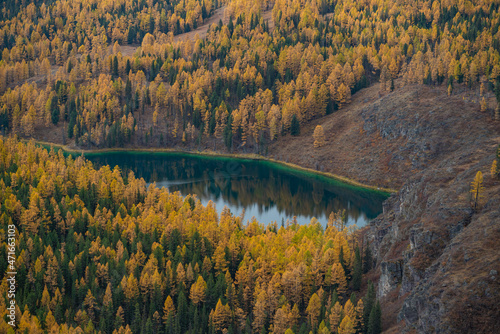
<point x="266" y="190"/>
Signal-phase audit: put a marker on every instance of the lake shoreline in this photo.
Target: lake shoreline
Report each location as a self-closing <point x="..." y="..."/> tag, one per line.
<point x="209" y="153"/>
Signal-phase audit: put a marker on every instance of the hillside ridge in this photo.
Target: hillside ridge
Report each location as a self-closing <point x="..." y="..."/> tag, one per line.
<point x="436" y="260"/>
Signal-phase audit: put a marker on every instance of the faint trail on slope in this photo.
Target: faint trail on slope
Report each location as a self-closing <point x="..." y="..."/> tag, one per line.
<point x="219" y="14"/>
<point x="202" y="30"/>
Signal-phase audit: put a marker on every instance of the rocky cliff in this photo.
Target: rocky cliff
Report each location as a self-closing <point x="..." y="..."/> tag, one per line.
<point x="437" y="261"/>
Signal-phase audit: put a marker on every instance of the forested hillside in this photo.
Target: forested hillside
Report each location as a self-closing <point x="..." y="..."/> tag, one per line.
<point x="395" y="94"/>
<point x="108" y="73"/>
<point x="98" y="250"/>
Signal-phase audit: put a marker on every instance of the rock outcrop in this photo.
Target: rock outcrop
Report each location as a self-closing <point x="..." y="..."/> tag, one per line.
<point x="437" y="261"/>
<point x="430" y="245"/>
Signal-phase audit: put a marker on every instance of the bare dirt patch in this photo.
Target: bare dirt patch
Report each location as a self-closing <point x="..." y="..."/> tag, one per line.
<point x="202" y="30"/>
<point x="383" y="139"/>
<point x="218" y="15"/>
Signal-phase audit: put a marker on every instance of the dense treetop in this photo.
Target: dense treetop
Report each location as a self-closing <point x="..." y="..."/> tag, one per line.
<point x="101" y="251"/>
<point x="111" y="72"/>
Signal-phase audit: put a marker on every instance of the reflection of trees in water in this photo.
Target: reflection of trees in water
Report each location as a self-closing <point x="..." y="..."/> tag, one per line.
<point x="245" y="183"/>
<point x="317" y="194"/>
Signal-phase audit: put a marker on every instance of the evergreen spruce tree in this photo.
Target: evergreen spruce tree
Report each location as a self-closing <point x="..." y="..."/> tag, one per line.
<point x="115" y="67"/>
<point x="54" y="110"/>
<point x="369" y="301"/>
<point x="182" y="312"/>
<point x="148" y="328"/>
<point x="341" y="258"/>
<point x="295" y="126"/>
<point x="375" y="320"/>
<point x="368" y="260"/>
<point x="169" y="324"/>
<point x="127" y="67"/>
<point x="357" y="272"/>
<point x="136" y="320"/>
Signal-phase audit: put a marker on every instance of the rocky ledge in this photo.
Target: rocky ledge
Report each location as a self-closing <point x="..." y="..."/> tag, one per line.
<point x="437" y="259"/>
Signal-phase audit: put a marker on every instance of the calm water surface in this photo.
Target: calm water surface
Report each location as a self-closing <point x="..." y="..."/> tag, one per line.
<point x="268" y="191"/>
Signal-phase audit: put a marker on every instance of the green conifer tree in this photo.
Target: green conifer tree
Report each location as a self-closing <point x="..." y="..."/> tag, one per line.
<point x="375" y="320"/>
<point x="295" y="126"/>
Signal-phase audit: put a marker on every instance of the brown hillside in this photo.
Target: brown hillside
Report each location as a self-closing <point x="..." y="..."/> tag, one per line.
<point x="437" y="261"/>
<point x="384" y="140"/>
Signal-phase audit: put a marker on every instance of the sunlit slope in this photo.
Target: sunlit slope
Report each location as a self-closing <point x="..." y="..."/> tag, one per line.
<point x="99" y="74"/>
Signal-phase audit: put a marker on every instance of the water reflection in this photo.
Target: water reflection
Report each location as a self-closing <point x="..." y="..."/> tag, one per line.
<point x="265" y="190"/>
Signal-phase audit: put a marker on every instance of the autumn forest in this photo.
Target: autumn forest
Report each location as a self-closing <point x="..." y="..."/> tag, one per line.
<point x="102" y="251"/>
<point x="111" y="73"/>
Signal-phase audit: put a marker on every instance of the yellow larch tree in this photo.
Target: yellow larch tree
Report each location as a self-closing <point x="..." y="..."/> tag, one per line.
<point x="220" y="317"/>
<point x="346" y="326"/>
<point x="477" y="190"/>
<point x="130" y="287"/>
<point x="281" y="320"/>
<point x="220" y="259"/>
<point x="494" y="169"/>
<point x="359" y="319"/>
<point x="335" y="317"/>
<point x="91" y="304"/>
<point x="319" y="136"/>
<point x="198" y="289"/>
<point x="259" y="311"/>
<point x="51" y="324"/>
<point x="168" y="309"/>
<point x="338" y="279"/>
<point x="181" y="274"/>
<point x="344" y="95"/>
<point x="349" y="310"/>
<point x="108" y="297"/>
<point x="484" y="105"/>
<point x="313" y="310"/>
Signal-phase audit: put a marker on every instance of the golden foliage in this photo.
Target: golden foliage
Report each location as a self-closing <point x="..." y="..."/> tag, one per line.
<point x="319" y="136"/>
<point x="477" y="189"/>
<point x="156" y="244"/>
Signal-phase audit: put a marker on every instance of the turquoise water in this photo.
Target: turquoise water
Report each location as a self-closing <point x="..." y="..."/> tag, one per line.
<point x="268" y="191"/>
